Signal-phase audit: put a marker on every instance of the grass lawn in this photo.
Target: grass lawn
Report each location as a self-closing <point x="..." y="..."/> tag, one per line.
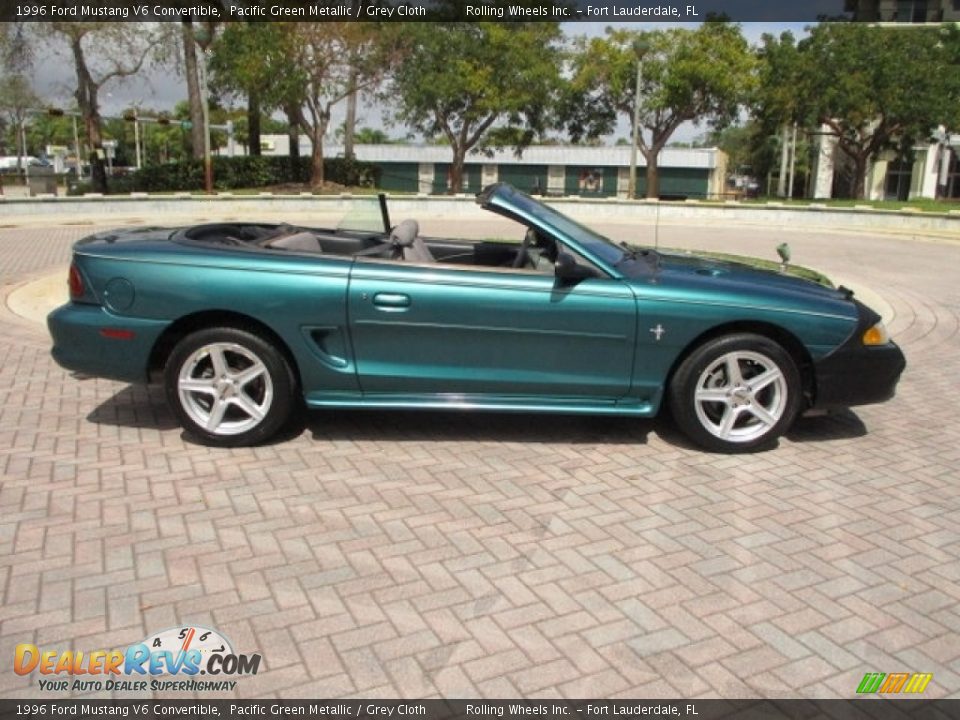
<point x="918" y="205"/>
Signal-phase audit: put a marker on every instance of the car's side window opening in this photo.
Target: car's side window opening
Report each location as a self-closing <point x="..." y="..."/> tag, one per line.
<point x="533" y="252"/>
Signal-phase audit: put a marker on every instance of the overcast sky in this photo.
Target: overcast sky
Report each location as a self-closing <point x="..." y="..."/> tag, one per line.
<point x="160" y="88"/>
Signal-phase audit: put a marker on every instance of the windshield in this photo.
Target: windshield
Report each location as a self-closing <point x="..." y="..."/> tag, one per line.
<point x="597" y="245"/>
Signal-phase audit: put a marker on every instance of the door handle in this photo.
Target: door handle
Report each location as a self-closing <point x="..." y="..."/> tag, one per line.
<point x="391" y="301"/>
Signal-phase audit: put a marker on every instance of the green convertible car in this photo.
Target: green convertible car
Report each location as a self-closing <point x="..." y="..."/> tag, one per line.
<point x="246" y="323"/>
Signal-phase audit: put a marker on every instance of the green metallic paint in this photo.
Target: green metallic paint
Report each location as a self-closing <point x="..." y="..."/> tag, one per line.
<point x="81" y="347"/>
<point x="490" y="332"/>
<point x="376" y="333"/>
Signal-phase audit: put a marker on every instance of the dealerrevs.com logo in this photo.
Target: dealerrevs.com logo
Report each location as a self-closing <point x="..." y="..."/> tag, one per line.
<point x="893" y="683"/>
<point x="154" y="664"/>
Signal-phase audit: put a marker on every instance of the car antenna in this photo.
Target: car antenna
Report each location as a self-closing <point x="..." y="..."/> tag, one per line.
<point x="656" y="228"/>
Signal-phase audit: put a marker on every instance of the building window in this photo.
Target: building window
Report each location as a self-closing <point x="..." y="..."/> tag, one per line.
<point x="913" y="11"/>
<point x="590" y="181"/>
<point x="897" y="185"/>
<point x="953" y="175"/>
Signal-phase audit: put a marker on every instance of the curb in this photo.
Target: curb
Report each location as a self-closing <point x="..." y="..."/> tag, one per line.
<point x="34" y="299"/>
<point x="119" y="209"/>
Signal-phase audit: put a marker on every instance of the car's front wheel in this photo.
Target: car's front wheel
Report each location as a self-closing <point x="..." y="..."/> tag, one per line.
<point x="229" y="387"/>
<point x="736" y="393"/>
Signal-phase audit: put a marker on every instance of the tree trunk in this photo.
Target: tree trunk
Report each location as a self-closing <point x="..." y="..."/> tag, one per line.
<point x="87" y="103"/>
<point x="193" y="88"/>
<point x="652" y="156"/>
<point x="293" y="132"/>
<point x="653" y="175"/>
<point x="98" y="172"/>
<point x="316" y="158"/>
<point x="350" y="123"/>
<point x="653" y="179"/>
<point x="858" y="185"/>
<point x="293" y="140"/>
<point x="253" y="123"/>
<point x="456" y="170"/>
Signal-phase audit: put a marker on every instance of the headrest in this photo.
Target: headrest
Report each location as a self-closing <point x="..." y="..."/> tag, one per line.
<point x="405" y="233"/>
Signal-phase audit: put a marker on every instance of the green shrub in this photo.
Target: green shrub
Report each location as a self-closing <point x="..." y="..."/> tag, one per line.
<point x="242" y="172"/>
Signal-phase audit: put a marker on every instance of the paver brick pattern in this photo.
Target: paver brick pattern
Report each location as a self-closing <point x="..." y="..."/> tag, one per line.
<point x="433" y="554"/>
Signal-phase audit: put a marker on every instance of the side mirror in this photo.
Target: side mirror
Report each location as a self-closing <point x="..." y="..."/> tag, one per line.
<point x="566" y="268"/>
<point x="783" y="250"/>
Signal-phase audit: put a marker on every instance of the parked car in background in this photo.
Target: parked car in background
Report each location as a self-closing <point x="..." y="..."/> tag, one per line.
<point x="13" y="163"/>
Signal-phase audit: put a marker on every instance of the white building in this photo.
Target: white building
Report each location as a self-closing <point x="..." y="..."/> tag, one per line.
<point x="933" y="172"/>
<point x="905" y="11"/>
<point x="590" y="171"/>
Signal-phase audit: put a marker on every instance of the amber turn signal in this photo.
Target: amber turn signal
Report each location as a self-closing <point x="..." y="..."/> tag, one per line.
<point x="876" y="335"/>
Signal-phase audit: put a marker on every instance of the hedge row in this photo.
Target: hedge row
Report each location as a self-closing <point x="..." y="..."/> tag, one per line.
<point x="232" y="173"/>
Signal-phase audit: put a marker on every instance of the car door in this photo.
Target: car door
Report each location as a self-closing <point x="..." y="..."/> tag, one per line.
<point x="455" y="330"/>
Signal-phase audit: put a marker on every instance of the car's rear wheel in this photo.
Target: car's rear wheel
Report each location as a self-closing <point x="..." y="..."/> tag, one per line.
<point x="736" y="393"/>
<point x="229" y="387"/>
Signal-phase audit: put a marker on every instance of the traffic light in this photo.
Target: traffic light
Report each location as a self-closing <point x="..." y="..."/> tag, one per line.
<point x="55" y="112"/>
<point x="163" y="119"/>
<point x="130" y="115"/>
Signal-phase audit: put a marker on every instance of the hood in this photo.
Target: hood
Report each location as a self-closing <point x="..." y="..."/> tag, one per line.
<point x="742" y="273"/>
<point x="737" y="284"/>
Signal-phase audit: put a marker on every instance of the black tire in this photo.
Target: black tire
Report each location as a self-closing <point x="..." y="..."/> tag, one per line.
<point x="745" y="416"/>
<point x="246" y="402"/>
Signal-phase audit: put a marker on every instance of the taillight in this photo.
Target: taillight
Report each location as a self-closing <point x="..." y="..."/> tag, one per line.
<point x="75" y="283"/>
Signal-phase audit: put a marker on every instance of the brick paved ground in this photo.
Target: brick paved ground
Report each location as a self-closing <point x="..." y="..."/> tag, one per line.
<point x="431" y="554"/>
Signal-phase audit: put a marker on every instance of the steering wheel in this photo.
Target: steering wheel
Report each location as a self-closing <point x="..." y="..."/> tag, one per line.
<point x="524" y="257"/>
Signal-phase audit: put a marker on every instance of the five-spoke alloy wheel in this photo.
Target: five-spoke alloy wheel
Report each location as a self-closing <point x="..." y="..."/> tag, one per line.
<point x="229" y="387"/>
<point x="736" y="393"/>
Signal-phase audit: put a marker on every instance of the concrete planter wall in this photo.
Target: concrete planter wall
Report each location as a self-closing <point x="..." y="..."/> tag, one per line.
<point x="185" y="207"/>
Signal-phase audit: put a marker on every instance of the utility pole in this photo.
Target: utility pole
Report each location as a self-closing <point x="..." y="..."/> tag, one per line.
<point x="793" y="160"/>
<point x="136" y="137"/>
<point x="784" y="159"/>
<point x="640" y="48"/>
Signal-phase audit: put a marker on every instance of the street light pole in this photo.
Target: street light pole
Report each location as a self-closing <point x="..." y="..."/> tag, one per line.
<point x="136" y="136"/>
<point x="207" y="160"/>
<point x="23" y="144"/>
<point x="76" y="146"/>
<point x="640" y="48"/>
<point x="793" y="162"/>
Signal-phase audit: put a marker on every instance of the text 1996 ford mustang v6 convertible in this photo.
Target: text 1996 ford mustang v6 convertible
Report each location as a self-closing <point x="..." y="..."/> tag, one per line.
<point x="246" y="322"/>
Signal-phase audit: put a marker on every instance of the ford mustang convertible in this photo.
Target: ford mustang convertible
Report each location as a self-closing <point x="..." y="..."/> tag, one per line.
<point x="245" y="324"/>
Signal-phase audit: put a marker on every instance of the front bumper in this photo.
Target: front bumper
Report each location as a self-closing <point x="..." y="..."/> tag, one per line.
<point x="858" y="374"/>
<point x="85" y="340"/>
